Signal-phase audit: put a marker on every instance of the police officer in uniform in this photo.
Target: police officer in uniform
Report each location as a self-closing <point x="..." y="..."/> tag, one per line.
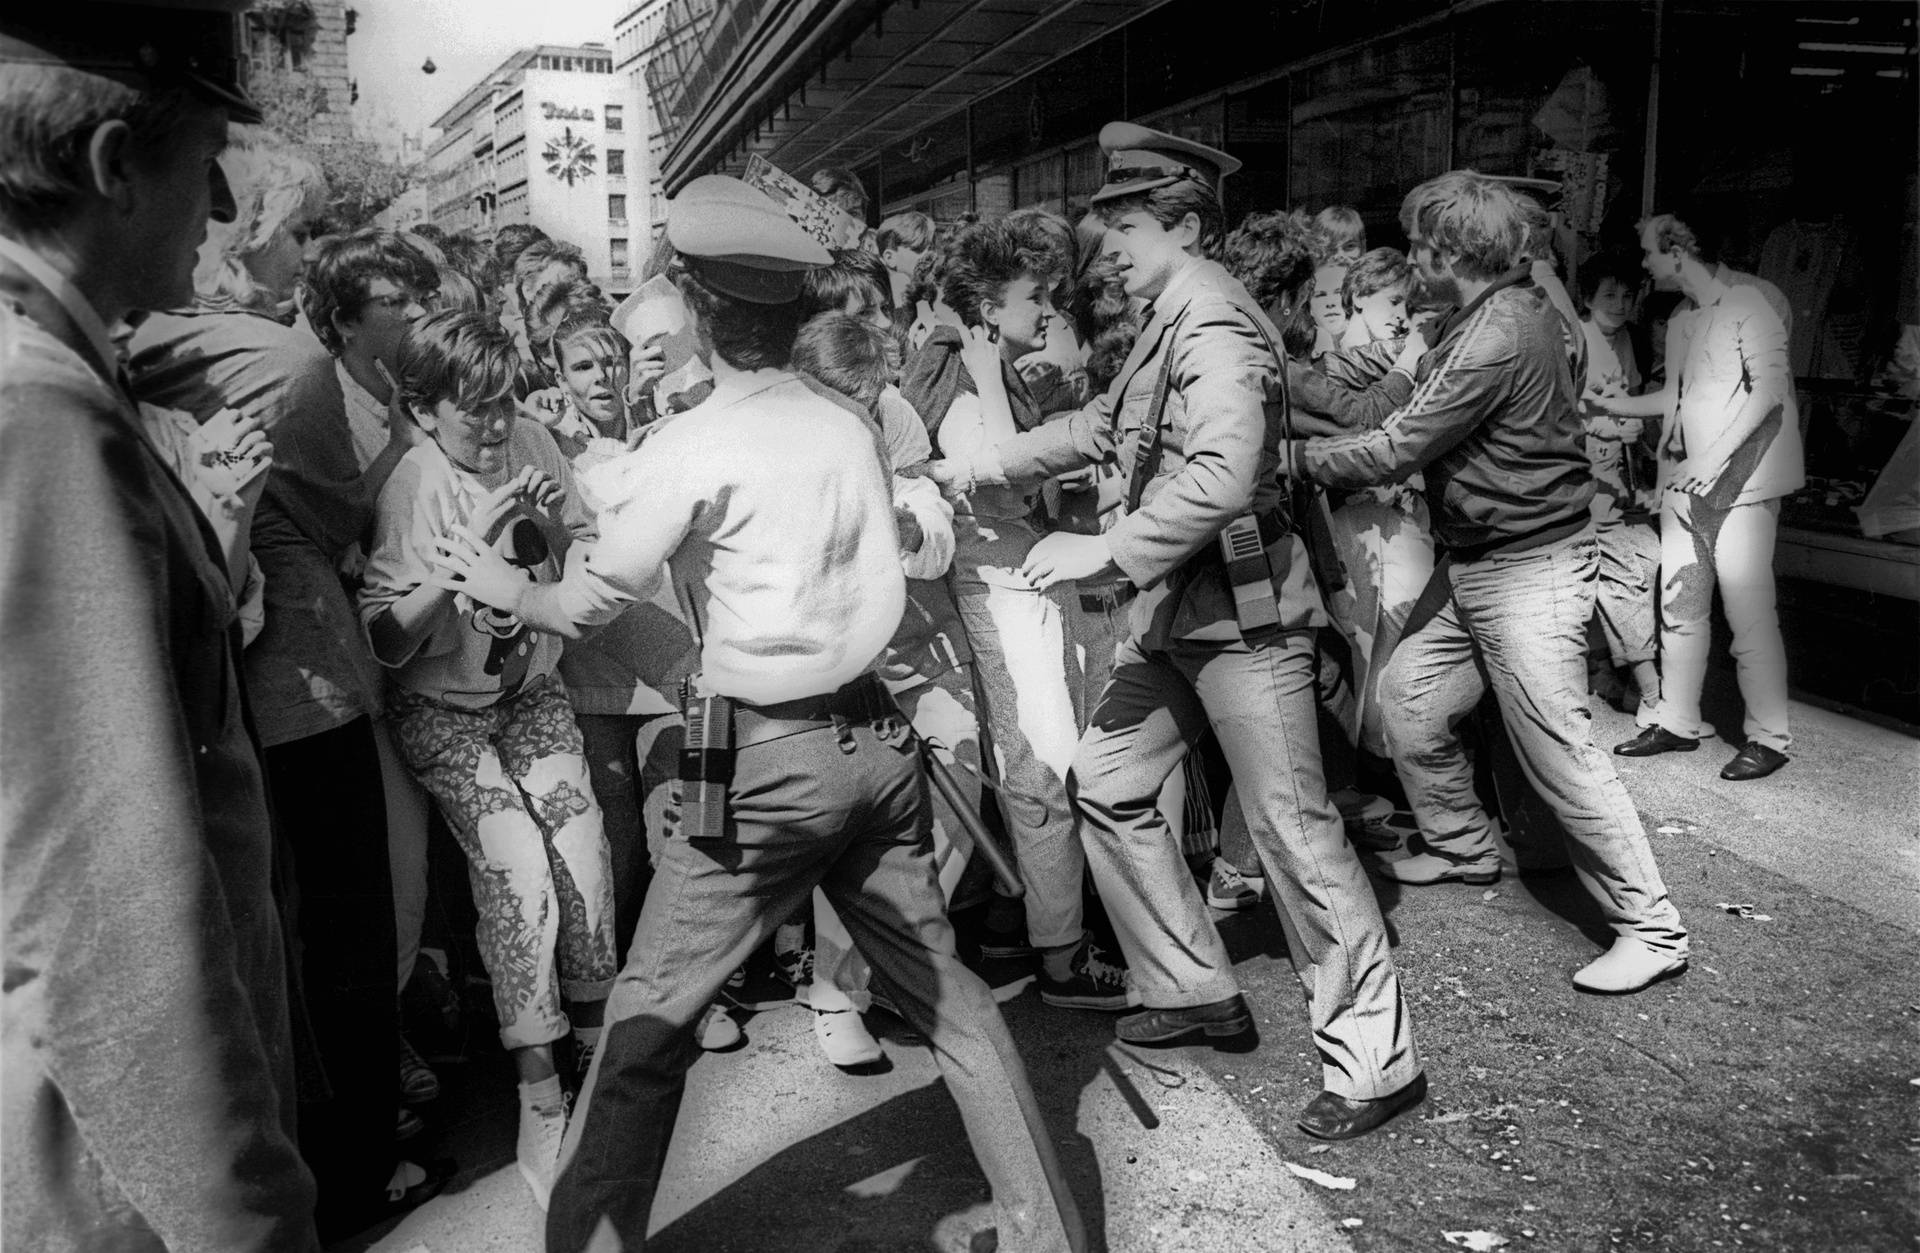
<point x="1216" y="637"/>
<point x="769" y="508"/>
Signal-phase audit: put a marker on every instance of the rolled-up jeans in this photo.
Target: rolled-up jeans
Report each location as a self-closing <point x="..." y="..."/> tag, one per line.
<point x="1701" y="548"/>
<point x="1028" y="671"/>
<point x="1259" y="697"/>
<point x="856" y="824"/>
<point x="1517" y="623"/>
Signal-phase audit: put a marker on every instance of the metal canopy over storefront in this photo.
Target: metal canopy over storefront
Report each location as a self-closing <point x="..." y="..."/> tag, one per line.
<point x="861" y="78"/>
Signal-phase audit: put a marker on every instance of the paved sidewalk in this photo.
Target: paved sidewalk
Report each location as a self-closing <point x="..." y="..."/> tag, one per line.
<point x="1763" y="1101"/>
<point x="777" y="1150"/>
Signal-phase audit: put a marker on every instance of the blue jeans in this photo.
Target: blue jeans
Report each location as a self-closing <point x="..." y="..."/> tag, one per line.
<point x="1259" y="698"/>
<point x="1517" y="623"/>
<point x="858" y="825"/>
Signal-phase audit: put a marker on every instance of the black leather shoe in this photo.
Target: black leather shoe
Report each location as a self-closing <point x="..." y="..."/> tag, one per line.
<point x="1653" y="741"/>
<point x="1160" y="1028"/>
<point x="1331" y="1117"/>
<point x="1754" y="761"/>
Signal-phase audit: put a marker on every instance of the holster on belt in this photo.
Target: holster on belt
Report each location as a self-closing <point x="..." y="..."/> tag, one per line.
<point x="1249" y="574"/>
<point x="718" y="727"/>
<point x="706" y="765"/>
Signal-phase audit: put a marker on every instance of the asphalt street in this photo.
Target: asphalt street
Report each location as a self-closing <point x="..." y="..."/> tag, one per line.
<point x="1768" y="1099"/>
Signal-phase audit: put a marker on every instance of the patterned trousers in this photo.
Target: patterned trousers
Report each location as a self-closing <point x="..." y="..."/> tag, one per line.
<point x="512" y="782"/>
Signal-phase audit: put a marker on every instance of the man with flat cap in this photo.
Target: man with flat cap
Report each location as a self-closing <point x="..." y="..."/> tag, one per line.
<point x="768" y="508"/>
<point x="1220" y="634"/>
<point x="148" y="1091"/>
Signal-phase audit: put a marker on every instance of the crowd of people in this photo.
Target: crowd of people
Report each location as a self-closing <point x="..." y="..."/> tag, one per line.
<point x="1176" y="550"/>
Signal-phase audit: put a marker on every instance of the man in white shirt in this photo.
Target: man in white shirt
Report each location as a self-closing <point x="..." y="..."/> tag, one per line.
<point x="1731" y="451"/>
<point x="769" y="507"/>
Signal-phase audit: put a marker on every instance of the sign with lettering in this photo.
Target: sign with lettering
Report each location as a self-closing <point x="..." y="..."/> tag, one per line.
<point x="556" y="113"/>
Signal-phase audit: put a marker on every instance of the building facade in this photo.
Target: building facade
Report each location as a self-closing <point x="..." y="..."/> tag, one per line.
<point x="1740" y="112"/>
<point x="636" y="36"/>
<point x="303" y="44"/>
<point x="546" y="138"/>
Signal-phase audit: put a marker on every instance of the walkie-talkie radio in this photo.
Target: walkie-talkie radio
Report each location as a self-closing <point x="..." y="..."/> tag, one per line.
<point x="706" y="765"/>
<point x="1249" y="574"/>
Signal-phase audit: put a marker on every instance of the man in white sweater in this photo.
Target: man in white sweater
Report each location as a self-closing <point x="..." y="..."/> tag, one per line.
<point x="769" y="508"/>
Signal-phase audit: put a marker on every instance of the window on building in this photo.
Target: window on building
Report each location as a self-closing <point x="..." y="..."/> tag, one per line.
<point x="618" y="248"/>
<point x="617" y="208"/>
<point x="616" y="117"/>
<point x="616" y="162"/>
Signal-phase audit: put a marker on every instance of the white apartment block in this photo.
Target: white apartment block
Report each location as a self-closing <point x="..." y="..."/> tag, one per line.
<point x="549" y="137"/>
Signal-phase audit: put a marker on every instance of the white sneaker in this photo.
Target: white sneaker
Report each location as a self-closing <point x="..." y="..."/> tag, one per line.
<point x="718" y="1031"/>
<point x="844" y="1038"/>
<point x="543" y="1126"/>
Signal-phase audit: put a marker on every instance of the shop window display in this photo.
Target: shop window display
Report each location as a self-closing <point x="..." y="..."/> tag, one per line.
<point x="1778" y="101"/>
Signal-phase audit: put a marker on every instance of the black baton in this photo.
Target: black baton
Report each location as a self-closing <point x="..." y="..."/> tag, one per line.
<point x="949" y="789"/>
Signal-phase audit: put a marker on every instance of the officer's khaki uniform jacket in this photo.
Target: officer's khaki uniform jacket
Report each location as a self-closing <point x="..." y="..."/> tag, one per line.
<point x="1217" y="459"/>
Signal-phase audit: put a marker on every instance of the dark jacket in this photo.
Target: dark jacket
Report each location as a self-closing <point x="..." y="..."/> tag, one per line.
<point x="146" y="1052"/>
<point x="1494" y="425"/>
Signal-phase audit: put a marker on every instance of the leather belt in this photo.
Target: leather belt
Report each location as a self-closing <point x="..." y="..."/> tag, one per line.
<point x="863" y="700"/>
<point x="1106" y="599"/>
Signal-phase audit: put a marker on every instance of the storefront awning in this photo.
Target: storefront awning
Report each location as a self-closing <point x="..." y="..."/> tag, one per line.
<point x="851" y="78"/>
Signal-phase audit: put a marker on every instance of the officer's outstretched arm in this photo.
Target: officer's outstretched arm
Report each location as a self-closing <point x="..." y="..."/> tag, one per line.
<point x="1080" y="439"/>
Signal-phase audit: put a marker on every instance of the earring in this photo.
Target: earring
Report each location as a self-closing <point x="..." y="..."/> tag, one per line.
<point x="993" y="333"/>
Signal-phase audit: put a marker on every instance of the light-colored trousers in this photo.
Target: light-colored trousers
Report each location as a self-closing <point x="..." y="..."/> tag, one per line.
<point x="1518" y="623"/>
<point x="1701" y="548"/>
<point x="1028" y="668"/>
<point x="512" y="782"/>
<point x="1386" y="547"/>
<point x="1260" y="700"/>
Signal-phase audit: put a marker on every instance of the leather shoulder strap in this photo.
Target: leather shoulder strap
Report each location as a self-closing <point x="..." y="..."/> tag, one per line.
<point x="1147" y="464"/>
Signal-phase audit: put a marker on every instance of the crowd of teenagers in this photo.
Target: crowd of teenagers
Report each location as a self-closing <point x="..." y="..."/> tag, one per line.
<point x="984" y="465"/>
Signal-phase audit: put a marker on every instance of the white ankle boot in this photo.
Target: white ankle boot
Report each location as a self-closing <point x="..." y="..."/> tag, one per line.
<point x="1630" y="965"/>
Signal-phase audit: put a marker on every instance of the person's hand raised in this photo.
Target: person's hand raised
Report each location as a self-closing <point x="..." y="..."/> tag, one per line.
<point x="532" y="487"/>
<point x="465" y="563"/>
<point x="234" y="455"/>
<point x="646" y="365"/>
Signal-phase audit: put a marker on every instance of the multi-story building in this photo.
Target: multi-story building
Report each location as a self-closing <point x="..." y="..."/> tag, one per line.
<point x="544" y="138"/>
<point x="306" y="40"/>
<point x="636" y="37"/>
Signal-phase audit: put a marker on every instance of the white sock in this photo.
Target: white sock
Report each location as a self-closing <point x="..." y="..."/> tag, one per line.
<point x="543" y="1125"/>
